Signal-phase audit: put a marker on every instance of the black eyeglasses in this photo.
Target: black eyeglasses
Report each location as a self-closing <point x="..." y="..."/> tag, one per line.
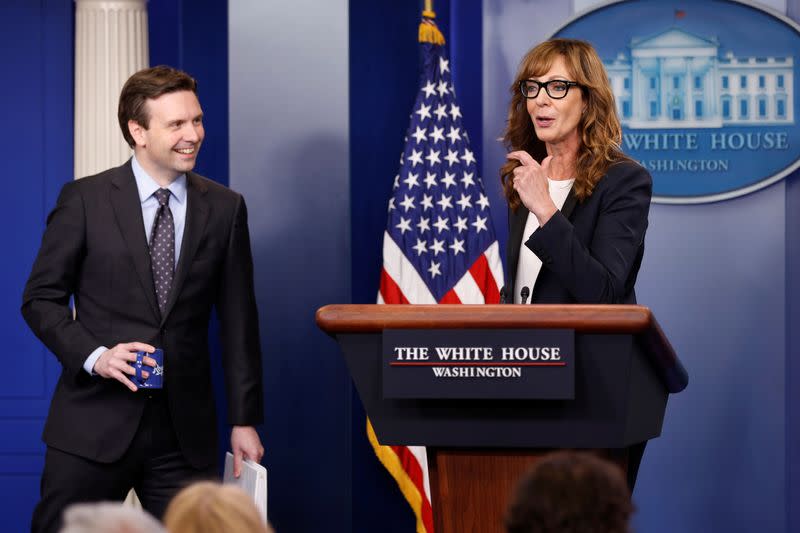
<point x="556" y="89"/>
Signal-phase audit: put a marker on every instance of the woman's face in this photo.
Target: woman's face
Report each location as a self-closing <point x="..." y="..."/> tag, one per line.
<point x="556" y="120"/>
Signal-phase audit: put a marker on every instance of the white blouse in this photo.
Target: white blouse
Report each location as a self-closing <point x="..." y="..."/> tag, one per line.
<point x="529" y="263"/>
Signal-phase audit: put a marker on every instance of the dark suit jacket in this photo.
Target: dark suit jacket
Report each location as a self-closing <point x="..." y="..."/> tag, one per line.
<point x="94" y="250"/>
<point x="590" y="251"/>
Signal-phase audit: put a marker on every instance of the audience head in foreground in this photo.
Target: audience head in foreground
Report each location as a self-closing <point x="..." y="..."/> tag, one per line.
<point x="208" y="507"/>
<point x="109" y="517"/>
<point x="571" y="492"/>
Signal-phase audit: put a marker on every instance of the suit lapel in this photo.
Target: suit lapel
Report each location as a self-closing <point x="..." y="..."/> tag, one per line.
<point x="516" y="222"/>
<point x="569" y="203"/>
<point x="516" y="225"/>
<point x="197" y="210"/>
<point x="128" y="214"/>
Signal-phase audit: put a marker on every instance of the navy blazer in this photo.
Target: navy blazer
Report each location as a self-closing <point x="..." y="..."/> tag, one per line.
<point x="591" y="251"/>
<point x="94" y="250"/>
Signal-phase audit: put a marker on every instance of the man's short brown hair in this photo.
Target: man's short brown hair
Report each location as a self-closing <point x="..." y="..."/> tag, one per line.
<point x="571" y="492"/>
<point x="148" y="84"/>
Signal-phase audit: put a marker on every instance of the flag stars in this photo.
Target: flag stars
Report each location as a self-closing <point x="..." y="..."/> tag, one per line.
<point x="427" y="202"/>
<point x="468" y="158"/>
<point x="449" y="179"/>
<point x="454" y="135"/>
<point x="415" y="158"/>
<point x="442" y="205"/>
<point x="404" y="225"/>
<point x="407" y="203"/>
<point x="464" y="202"/>
<point x="411" y="180"/>
<point x="430" y="180"/>
<point x="442" y="89"/>
<point x="434" y="269"/>
<point x="451" y="157"/>
<point x="480" y="224"/>
<point x="437" y="134"/>
<point x="423" y="225"/>
<point x="429" y="89"/>
<point x="420" y="248"/>
<point x="424" y="111"/>
<point x="445" y="202"/>
<point x="457" y="246"/>
<point x="433" y="157"/>
<point x="420" y="135"/>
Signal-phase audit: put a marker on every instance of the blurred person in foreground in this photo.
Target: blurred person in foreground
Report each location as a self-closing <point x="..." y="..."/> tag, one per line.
<point x="571" y="492"/>
<point x="207" y="507"/>
<point x="578" y="206"/>
<point x="109" y="517"/>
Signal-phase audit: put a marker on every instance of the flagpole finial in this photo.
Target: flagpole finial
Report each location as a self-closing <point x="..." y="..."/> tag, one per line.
<point x="428" y="31"/>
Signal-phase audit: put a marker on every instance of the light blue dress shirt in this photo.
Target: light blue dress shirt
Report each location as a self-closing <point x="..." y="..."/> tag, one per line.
<point x="177" y="204"/>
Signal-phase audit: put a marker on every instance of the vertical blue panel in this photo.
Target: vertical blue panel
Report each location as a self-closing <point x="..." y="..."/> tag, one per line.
<point x="36" y="150"/>
<point x="793" y="335"/>
<point x="384" y="76"/>
<point x="384" y="66"/>
<point x="165" y="29"/>
<point x="26" y="136"/>
<point x="289" y="152"/>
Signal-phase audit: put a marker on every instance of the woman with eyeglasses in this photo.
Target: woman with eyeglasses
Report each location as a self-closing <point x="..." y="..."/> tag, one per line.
<point x="577" y="205"/>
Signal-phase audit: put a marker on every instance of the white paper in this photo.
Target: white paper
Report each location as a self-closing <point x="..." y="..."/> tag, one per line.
<point x="253" y="480"/>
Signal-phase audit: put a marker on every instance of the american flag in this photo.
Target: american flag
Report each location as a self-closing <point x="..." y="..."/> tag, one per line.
<point x="439" y="245"/>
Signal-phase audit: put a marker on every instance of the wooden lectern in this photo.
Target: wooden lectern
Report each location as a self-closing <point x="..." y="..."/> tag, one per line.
<point x="477" y="449"/>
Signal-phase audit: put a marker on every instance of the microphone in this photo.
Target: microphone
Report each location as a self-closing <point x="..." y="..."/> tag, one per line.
<point x="524" y="294"/>
<point x="503" y="295"/>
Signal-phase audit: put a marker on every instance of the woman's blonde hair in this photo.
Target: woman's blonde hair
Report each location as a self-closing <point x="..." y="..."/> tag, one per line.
<point x="599" y="128"/>
<point x="208" y="507"/>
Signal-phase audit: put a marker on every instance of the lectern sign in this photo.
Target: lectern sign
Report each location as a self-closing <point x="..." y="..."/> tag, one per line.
<point x="479" y="364"/>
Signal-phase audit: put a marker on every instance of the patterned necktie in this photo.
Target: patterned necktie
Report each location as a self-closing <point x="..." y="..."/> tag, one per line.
<point x="162" y="249"/>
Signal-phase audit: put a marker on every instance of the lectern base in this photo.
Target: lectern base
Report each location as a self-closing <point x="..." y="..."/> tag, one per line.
<point x="470" y="488"/>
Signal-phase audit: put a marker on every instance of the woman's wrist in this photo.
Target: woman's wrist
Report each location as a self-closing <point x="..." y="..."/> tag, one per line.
<point x="545" y="213"/>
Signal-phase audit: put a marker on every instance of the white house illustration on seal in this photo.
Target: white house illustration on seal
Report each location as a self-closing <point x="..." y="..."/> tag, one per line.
<point x="678" y="80"/>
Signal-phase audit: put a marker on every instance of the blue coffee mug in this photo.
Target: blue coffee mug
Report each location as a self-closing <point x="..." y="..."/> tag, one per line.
<point x="156" y="378"/>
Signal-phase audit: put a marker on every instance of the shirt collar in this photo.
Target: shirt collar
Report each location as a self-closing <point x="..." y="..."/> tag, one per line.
<point x="147" y="185"/>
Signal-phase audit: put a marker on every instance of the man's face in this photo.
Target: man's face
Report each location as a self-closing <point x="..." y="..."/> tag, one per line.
<point x="169" y="146"/>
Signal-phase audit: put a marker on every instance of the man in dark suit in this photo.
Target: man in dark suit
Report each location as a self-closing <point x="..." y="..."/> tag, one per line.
<point x="145" y="250"/>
